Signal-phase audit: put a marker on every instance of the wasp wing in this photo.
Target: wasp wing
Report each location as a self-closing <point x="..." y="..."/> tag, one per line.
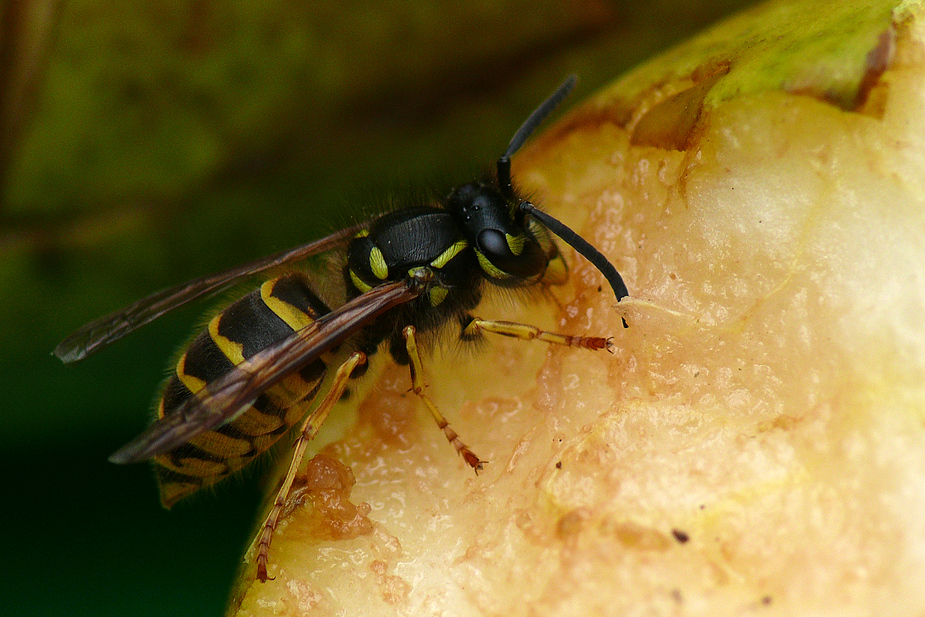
<point x="110" y="328"/>
<point x="223" y="399"/>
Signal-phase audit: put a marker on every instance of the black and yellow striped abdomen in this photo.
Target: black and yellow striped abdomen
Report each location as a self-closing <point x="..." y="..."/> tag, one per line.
<point x="257" y="320"/>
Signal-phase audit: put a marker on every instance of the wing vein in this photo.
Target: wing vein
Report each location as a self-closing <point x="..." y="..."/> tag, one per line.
<point x="226" y="397"/>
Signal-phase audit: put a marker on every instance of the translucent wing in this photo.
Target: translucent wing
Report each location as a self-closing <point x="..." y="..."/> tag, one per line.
<point x="224" y="398"/>
<point x="110" y="328"/>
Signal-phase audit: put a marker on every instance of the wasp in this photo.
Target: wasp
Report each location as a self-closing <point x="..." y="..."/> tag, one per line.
<point x="255" y="371"/>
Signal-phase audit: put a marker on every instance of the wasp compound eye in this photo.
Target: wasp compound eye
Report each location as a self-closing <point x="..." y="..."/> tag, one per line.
<point x="516" y="256"/>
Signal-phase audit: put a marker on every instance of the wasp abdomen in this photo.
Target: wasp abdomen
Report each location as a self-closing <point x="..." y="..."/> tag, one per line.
<point x="256" y="321"/>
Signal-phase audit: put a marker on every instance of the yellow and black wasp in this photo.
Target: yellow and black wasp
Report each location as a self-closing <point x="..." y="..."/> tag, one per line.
<point x="254" y="372"/>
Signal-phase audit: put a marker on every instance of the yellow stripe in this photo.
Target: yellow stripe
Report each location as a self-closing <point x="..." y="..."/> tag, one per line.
<point x="294" y="318"/>
<point x="232" y="350"/>
<point x="262" y="443"/>
<point x="489" y="268"/>
<point x="449" y="254"/>
<point x="193" y="466"/>
<point x="377" y="264"/>
<point x="437" y="295"/>
<point x="297" y="412"/>
<point x="255" y="423"/>
<point x="358" y="282"/>
<point x="160" y="408"/>
<point x="516" y="243"/>
<point x="193" y="384"/>
<point x="290" y="390"/>
<point x="221" y="445"/>
<point x="171" y="492"/>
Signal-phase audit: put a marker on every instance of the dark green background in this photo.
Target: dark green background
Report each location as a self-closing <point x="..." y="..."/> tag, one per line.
<point x="166" y="140"/>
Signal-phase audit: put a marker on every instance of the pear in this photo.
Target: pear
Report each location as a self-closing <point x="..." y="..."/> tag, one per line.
<point x="756" y="441"/>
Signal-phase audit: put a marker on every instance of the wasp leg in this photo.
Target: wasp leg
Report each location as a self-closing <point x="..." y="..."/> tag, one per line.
<point x="417" y="385"/>
<point x="307" y="432"/>
<point x="526" y="332"/>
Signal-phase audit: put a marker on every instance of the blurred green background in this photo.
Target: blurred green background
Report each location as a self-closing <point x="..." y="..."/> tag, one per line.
<point x="146" y="143"/>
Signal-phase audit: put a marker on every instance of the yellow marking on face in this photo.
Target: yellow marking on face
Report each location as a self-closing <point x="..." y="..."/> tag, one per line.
<point x="543" y="237"/>
<point x="294" y="318"/>
<point x="193" y="384"/>
<point x="452" y="251"/>
<point x="556" y="271"/>
<point x="536" y="228"/>
<point x="377" y="264"/>
<point x="516" y="243"/>
<point x="362" y="233"/>
<point x="436" y="295"/>
<point x="358" y="282"/>
<point x="489" y="268"/>
<point x="233" y="351"/>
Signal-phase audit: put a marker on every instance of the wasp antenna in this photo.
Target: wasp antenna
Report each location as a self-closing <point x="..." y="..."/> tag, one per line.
<point x="526" y="129"/>
<point x="538" y="115"/>
<point x="583" y="247"/>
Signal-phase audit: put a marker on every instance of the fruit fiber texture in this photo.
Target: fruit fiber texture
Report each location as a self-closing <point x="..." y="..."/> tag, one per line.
<point x="756" y="443"/>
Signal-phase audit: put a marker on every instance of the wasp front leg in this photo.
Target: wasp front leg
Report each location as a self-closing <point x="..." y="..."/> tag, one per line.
<point x="472" y="327"/>
<point x="417" y="386"/>
<point x="307" y="432"/>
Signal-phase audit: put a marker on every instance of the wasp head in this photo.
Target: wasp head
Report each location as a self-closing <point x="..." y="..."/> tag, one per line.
<point x="511" y="251"/>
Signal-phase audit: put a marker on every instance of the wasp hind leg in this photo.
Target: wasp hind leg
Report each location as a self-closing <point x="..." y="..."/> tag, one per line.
<point x="417" y="386"/>
<point x="307" y="432"/>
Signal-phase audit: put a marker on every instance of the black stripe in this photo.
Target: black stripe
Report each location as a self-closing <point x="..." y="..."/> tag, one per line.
<point x="314" y="371"/>
<point x="295" y="290"/>
<point x="188" y="450"/>
<point x="263" y="404"/>
<point x="229" y="430"/>
<point x="205" y="360"/>
<point x="168" y="476"/>
<point x="175" y="393"/>
<point x="250" y="322"/>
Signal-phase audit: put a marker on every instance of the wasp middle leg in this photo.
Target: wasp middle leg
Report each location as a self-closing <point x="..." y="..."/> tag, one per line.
<point x="417" y="386"/>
